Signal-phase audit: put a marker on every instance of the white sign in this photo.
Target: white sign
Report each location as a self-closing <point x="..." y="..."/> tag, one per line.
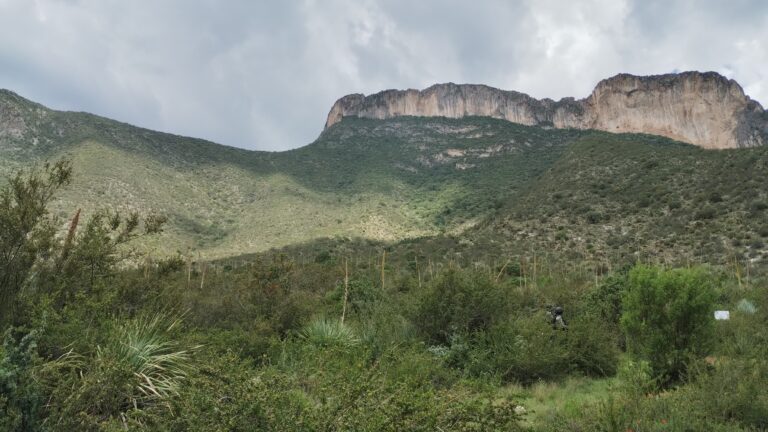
<point x="722" y="315"/>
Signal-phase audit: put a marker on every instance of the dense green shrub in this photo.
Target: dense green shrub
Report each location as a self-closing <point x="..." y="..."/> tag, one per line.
<point x="734" y="390"/>
<point x="667" y="317"/>
<point x="458" y="302"/>
<point x="27" y="234"/>
<point x="21" y="395"/>
<point x="527" y="349"/>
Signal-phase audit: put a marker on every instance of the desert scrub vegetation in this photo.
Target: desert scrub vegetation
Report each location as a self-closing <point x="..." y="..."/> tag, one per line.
<point x="431" y="340"/>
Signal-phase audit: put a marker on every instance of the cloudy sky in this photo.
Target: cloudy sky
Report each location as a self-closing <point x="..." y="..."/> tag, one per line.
<point x="263" y="74"/>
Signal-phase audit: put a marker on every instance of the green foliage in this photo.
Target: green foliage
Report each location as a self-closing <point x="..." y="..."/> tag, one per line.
<point x="21" y="395"/>
<point x="459" y="332"/>
<point x="458" y="303"/>
<point x="329" y="333"/>
<point x="667" y="317"/>
<point x="734" y="389"/>
<point x="139" y="367"/>
<point x="527" y="350"/>
<point x="26" y="233"/>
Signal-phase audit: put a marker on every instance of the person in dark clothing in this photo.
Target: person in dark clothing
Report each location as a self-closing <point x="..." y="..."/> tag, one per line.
<point x="558" y="322"/>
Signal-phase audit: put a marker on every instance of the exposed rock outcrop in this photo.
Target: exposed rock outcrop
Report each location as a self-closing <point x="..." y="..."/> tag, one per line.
<point x="12" y="123"/>
<point x="705" y="109"/>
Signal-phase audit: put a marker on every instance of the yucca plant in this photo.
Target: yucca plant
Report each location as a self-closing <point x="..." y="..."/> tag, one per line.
<point x="154" y="360"/>
<point x="329" y="333"/>
<point x="140" y="366"/>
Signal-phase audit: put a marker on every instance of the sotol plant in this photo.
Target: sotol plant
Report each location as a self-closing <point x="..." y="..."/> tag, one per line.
<point x="154" y="359"/>
<point x="140" y="366"/>
<point x="328" y="333"/>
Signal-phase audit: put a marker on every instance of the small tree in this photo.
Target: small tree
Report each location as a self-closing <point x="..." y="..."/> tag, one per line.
<point x="667" y="317"/>
<point x="25" y="230"/>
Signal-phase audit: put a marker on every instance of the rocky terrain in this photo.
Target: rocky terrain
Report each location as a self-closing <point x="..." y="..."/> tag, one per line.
<point x="705" y="109"/>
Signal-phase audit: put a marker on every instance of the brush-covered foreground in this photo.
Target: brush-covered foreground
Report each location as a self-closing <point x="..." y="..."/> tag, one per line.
<point x="343" y="340"/>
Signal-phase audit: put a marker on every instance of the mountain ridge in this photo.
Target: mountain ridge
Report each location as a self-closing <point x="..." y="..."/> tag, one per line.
<point x="601" y="194"/>
<point x="701" y="108"/>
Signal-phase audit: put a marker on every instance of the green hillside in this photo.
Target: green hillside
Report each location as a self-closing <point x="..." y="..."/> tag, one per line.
<point x="378" y="180"/>
<point x="618" y="197"/>
<point x="470" y="186"/>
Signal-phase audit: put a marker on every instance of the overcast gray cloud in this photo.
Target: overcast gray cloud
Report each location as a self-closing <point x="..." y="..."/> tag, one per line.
<point x="263" y="74"/>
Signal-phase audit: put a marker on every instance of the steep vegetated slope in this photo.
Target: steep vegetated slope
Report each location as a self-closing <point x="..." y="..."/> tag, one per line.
<point x="618" y="197"/>
<point x="362" y="178"/>
<point x="611" y="200"/>
<point x="468" y="187"/>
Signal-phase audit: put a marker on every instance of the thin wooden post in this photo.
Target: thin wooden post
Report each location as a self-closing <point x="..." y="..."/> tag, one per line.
<point x="383" y="261"/>
<point x="346" y="290"/>
<point x="418" y="271"/>
<point x="189" y="271"/>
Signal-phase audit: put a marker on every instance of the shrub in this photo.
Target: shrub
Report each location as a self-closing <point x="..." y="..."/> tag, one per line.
<point x="734" y="390"/>
<point x="667" y="317"/>
<point x="458" y="303"/>
<point x="594" y="217"/>
<point x="27" y="234"/>
<point x="707" y="212"/>
<point x="21" y="396"/>
<point x="527" y="349"/>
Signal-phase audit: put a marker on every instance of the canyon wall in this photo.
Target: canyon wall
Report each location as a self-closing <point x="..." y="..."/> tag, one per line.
<point x="705" y="109"/>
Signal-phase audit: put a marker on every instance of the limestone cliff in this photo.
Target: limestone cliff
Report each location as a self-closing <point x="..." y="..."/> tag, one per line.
<point x="705" y="109"/>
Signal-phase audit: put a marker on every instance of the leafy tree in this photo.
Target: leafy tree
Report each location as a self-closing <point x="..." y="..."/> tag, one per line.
<point x="91" y="255"/>
<point x="667" y="317"/>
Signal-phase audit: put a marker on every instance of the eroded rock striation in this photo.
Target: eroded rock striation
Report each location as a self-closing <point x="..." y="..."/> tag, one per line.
<point x="701" y="108"/>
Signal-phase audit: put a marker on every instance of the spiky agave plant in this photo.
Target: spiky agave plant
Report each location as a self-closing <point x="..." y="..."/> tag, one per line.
<point x="326" y="333"/>
<point x="154" y="360"/>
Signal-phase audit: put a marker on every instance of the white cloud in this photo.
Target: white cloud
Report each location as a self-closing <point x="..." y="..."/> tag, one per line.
<point x="264" y="74"/>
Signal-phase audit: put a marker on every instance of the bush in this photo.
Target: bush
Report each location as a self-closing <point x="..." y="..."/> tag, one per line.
<point x="707" y="212"/>
<point x="527" y="349"/>
<point x="734" y="389"/>
<point x="667" y="317"/>
<point x="458" y="303"/>
<point x="21" y="396"/>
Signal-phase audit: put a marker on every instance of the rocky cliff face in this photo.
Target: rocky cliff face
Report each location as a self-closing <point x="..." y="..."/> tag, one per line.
<point x="12" y="123"/>
<point x="705" y="109"/>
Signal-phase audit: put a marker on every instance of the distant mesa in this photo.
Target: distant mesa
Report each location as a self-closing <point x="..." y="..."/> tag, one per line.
<point x="701" y="108"/>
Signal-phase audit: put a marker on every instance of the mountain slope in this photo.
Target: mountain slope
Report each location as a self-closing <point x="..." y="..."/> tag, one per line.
<point x="472" y="185"/>
<point x="362" y="178"/>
